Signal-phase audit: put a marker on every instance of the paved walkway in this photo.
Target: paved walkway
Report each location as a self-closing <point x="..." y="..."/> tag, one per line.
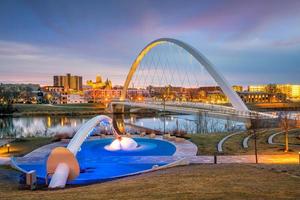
<point x="4" y="160"/>
<point x="220" y="144"/>
<point x="266" y="159"/>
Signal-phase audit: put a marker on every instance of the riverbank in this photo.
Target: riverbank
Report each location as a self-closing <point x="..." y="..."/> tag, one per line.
<point x="59" y="109"/>
<point x="291" y="106"/>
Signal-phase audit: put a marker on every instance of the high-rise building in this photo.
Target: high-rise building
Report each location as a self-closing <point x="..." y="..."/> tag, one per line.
<point x="68" y="82"/>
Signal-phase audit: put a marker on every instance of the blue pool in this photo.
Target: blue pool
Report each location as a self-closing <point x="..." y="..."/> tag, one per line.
<point x="98" y="164"/>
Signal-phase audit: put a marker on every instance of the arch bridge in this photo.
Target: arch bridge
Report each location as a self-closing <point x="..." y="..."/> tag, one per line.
<point x="238" y="106"/>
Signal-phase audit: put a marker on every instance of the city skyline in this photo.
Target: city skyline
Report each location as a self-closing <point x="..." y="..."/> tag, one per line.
<point x="250" y="43"/>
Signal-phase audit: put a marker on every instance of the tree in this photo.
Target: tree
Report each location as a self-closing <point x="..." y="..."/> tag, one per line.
<point x="253" y="126"/>
<point x="286" y="123"/>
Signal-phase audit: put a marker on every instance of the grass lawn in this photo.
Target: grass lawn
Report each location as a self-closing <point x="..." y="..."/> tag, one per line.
<point x="206" y="143"/>
<point x="23" y="146"/>
<point x="233" y="146"/>
<point x="57" y="109"/>
<point x="294" y="137"/>
<point x="223" y="181"/>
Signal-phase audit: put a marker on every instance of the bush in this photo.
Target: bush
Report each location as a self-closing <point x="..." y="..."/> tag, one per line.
<point x="7" y="108"/>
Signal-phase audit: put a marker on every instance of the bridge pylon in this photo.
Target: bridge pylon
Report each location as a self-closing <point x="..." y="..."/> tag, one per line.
<point x="117" y="108"/>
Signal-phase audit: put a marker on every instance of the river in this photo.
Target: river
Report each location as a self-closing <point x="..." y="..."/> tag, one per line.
<point x="31" y="126"/>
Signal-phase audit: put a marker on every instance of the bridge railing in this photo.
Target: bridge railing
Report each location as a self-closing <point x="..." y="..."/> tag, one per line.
<point x="200" y="106"/>
<point x="218" y="108"/>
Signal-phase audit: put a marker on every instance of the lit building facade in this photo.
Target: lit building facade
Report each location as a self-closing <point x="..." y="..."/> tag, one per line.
<point x="102" y="95"/>
<point x="75" y="98"/>
<point x="107" y="95"/>
<point x="69" y="82"/>
<point x="99" y="84"/>
<point x="262" y="97"/>
<point x="53" y="94"/>
<point x="237" y="88"/>
<point x="292" y="91"/>
<point x="53" y="89"/>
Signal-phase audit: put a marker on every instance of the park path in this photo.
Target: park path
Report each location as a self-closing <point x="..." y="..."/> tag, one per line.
<point x="263" y="159"/>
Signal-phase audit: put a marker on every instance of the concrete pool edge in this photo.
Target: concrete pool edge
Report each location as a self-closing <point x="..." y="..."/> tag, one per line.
<point x="184" y="150"/>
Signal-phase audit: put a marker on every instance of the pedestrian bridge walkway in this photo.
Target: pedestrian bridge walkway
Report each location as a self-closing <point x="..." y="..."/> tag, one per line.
<point x="194" y="108"/>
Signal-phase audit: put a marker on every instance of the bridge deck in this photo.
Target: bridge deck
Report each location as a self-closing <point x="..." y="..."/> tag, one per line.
<point x="196" y="108"/>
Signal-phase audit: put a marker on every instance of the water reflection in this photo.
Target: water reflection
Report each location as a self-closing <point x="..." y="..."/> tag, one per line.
<point x="38" y="126"/>
<point x="50" y="125"/>
<point x="187" y="123"/>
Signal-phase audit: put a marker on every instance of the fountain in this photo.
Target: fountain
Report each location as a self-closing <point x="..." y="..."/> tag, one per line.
<point x="97" y="160"/>
<point x="62" y="162"/>
<point x="122" y="143"/>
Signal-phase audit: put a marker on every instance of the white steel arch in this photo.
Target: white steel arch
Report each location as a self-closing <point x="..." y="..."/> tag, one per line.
<point x="234" y="99"/>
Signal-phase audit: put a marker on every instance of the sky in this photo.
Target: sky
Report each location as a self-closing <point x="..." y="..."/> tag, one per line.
<point x="249" y="42"/>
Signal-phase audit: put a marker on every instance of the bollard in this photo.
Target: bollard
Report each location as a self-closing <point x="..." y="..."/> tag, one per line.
<point x="31" y="179"/>
<point x="215" y="159"/>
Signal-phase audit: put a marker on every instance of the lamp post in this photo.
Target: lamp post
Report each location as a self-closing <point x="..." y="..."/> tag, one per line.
<point x="8" y="146"/>
<point x="255" y="145"/>
<point x="253" y="126"/>
<point x="164" y="103"/>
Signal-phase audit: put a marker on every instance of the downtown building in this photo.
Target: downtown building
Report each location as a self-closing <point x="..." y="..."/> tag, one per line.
<point x="291" y="91"/>
<point x="69" y="82"/>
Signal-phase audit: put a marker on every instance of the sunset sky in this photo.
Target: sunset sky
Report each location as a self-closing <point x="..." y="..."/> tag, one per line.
<point x="250" y="42"/>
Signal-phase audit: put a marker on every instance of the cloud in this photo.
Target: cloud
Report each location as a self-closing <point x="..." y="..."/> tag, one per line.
<point x="22" y="62"/>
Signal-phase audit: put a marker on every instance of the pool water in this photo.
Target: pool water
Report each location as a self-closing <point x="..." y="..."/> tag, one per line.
<point x="98" y="164"/>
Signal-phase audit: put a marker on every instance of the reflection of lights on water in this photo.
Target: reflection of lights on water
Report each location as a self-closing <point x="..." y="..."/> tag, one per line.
<point x="48" y="121"/>
<point x="73" y="123"/>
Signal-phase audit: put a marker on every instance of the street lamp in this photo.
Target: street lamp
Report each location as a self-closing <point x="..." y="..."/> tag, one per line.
<point x="8" y="146"/>
<point x="252" y="126"/>
<point x="164" y="101"/>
